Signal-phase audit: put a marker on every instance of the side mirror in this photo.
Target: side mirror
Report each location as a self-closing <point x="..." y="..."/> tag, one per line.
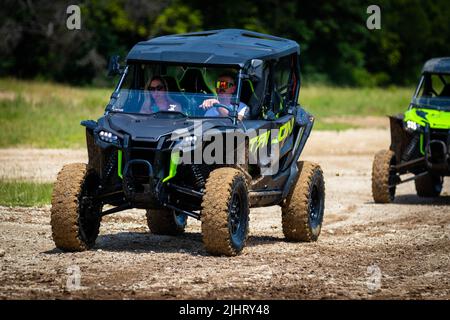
<point x="255" y="71"/>
<point x="114" y="67"/>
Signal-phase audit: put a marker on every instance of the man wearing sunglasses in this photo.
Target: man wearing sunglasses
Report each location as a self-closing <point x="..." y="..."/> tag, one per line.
<point x="226" y="88"/>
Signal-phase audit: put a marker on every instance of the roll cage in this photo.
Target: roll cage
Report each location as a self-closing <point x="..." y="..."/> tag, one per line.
<point x="268" y="94"/>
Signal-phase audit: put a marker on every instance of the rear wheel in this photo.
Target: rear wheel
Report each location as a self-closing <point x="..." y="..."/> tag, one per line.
<point x="75" y="215"/>
<point x="166" y="222"/>
<point x="302" y="212"/>
<point x="383" y="177"/>
<point x="429" y="185"/>
<point x="225" y="212"/>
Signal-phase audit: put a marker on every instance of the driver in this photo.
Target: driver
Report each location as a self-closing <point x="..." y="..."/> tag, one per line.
<point x="226" y="87"/>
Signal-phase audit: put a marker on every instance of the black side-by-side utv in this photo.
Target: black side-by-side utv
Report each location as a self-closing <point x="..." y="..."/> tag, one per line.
<point x="135" y="156"/>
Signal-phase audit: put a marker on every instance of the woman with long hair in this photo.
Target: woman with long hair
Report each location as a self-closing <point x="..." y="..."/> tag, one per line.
<point x="158" y="99"/>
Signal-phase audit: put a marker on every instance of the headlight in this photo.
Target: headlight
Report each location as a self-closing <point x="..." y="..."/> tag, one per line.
<point x="188" y="141"/>
<point x="412" y="125"/>
<point x="107" y="136"/>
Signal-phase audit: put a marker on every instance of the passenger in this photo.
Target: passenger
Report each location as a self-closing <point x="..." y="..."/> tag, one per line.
<point x="158" y="99"/>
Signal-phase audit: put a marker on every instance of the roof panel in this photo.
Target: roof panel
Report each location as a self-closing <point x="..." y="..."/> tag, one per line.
<point x="437" y="65"/>
<point x="227" y="46"/>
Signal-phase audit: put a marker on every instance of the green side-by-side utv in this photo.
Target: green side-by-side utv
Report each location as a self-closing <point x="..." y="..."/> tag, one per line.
<point x="420" y="139"/>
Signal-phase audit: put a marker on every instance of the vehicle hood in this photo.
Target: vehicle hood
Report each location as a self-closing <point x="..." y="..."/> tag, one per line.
<point x="436" y="119"/>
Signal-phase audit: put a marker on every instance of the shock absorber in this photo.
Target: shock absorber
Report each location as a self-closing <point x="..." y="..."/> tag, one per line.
<point x="411" y="148"/>
<point x="199" y="179"/>
<point x="110" y="164"/>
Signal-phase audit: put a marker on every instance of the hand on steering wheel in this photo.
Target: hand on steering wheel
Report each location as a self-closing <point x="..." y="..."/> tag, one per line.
<point x="220" y="105"/>
<point x="214" y="103"/>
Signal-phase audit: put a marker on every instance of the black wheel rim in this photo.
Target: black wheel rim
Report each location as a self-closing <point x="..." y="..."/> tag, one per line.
<point x="89" y="216"/>
<point x="237" y="219"/>
<point x="316" y="207"/>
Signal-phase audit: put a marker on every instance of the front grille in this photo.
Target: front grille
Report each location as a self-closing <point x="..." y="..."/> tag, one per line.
<point x="144" y="145"/>
<point x="163" y="145"/>
<point x="159" y="160"/>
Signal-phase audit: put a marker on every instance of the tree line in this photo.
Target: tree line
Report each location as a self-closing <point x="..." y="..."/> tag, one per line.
<point x="336" y="45"/>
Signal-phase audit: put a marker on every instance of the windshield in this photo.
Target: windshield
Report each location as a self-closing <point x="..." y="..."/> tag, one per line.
<point x="192" y="91"/>
<point x="433" y="91"/>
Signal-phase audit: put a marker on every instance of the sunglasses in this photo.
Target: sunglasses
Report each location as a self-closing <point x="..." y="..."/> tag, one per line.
<point x="157" y="88"/>
<point x="224" y="85"/>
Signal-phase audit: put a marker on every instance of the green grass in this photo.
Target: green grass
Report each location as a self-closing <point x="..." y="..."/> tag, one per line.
<point x="331" y="101"/>
<point x="47" y="115"/>
<point x="24" y="193"/>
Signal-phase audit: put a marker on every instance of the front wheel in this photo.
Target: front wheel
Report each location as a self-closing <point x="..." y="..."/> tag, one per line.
<point x="429" y="185"/>
<point x="225" y="212"/>
<point x="302" y="211"/>
<point x="75" y="214"/>
<point x="383" y="177"/>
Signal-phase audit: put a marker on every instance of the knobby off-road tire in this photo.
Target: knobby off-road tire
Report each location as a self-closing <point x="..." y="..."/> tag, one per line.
<point x="429" y="186"/>
<point x="225" y="212"/>
<point x="383" y="176"/>
<point x="302" y="211"/>
<point x="75" y="220"/>
<point x="165" y="222"/>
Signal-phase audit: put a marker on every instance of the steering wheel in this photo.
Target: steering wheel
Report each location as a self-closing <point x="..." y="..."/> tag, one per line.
<point x="220" y="105"/>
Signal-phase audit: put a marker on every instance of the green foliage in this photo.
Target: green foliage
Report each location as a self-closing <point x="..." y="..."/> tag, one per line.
<point x="177" y="18"/>
<point x="336" y="46"/>
<point x="412" y="32"/>
<point x="24" y="193"/>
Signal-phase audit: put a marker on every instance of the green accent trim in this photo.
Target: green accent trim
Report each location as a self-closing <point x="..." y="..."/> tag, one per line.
<point x="422" y="150"/>
<point x="261" y="141"/>
<point x="174" y="159"/>
<point x="284" y="132"/>
<point x="119" y="163"/>
<point x="436" y="119"/>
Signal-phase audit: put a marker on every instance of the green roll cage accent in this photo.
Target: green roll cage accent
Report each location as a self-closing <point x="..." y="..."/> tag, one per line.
<point x="119" y="163"/>
<point x="174" y="159"/>
<point x="251" y="85"/>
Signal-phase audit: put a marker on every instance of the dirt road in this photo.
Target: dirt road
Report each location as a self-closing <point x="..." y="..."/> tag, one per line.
<point x="401" y="250"/>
